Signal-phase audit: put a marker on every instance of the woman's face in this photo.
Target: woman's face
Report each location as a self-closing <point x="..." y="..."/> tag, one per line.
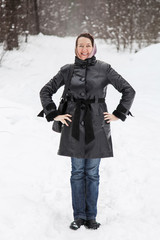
<point x="84" y="47"/>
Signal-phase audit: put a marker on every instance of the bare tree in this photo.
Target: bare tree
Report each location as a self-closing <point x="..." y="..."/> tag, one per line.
<point x="11" y="36"/>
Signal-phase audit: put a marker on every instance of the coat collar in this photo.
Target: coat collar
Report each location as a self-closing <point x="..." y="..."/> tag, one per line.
<point x="86" y="62"/>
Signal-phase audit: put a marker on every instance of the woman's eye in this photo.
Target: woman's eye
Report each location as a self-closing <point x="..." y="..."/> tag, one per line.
<point x="81" y="46"/>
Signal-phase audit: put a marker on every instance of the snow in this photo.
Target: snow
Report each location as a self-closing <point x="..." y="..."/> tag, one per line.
<point x="35" y="195"/>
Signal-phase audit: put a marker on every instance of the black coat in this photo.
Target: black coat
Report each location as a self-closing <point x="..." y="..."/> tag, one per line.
<point x="89" y="81"/>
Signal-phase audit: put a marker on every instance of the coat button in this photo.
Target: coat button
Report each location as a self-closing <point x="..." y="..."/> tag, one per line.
<point x="82" y="79"/>
<point x="82" y="94"/>
<point x="82" y="123"/>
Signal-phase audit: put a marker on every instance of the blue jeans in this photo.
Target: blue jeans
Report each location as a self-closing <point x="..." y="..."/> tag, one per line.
<point x="84" y="185"/>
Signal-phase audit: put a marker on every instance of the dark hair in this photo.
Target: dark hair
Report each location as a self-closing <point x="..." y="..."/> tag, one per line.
<point x="86" y="35"/>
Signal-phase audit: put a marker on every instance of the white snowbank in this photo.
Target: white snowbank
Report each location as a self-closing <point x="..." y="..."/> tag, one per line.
<point x="35" y="197"/>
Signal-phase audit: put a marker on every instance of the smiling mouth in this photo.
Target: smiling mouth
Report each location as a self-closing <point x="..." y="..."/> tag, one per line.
<point x="84" y="54"/>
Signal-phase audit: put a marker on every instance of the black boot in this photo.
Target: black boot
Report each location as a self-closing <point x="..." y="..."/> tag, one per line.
<point x="77" y="223"/>
<point x="92" y="224"/>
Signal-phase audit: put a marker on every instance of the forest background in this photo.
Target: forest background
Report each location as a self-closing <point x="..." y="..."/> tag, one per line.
<point x="128" y="24"/>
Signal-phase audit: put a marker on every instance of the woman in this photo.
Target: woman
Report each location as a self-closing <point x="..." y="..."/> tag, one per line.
<point x="86" y="134"/>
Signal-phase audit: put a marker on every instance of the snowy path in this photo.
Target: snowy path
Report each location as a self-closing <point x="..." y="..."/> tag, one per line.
<point x="35" y="197"/>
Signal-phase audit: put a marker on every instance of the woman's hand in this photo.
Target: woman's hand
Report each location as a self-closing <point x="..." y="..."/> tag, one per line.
<point x="63" y="118"/>
<point x="109" y="117"/>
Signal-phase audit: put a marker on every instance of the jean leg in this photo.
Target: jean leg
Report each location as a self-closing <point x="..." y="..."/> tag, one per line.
<point x="78" y="187"/>
<point x="92" y="187"/>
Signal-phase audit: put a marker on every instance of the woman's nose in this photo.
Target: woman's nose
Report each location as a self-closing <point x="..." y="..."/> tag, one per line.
<point x="84" y="49"/>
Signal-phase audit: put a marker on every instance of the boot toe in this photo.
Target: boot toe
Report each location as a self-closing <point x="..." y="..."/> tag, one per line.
<point x="92" y="224"/>
<point x="77" y="224"/>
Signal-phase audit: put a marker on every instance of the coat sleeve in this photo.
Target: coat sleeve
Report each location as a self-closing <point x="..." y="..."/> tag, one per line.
<point x="46" y="93"/>
<point x="128" y="93"/>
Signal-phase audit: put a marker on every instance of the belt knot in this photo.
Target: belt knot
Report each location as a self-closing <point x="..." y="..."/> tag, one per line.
<point x="89" y="133"/>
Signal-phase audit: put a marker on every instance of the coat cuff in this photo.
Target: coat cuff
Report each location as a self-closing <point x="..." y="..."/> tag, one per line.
<point x="50" y="106"/>
<point x="50" y="117"/>
<point x="121" y="112"/>
<point x="122" y="109"/>
<point x="119" y="115"/>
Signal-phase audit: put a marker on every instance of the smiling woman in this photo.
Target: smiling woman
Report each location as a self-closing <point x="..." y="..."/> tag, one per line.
<point x="85" y="46"/>
<point x="86" y="135"/>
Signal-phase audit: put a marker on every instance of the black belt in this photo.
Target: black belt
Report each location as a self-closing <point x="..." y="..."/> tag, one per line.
<point x="89" y="133"/>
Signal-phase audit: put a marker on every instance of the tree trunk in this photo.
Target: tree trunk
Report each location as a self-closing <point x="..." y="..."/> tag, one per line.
<point x="37" y="30"/>
<point x="11" y="36"/>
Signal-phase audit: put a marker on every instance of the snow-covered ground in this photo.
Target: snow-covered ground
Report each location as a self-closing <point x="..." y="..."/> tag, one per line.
<point x="35" y="196"/>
